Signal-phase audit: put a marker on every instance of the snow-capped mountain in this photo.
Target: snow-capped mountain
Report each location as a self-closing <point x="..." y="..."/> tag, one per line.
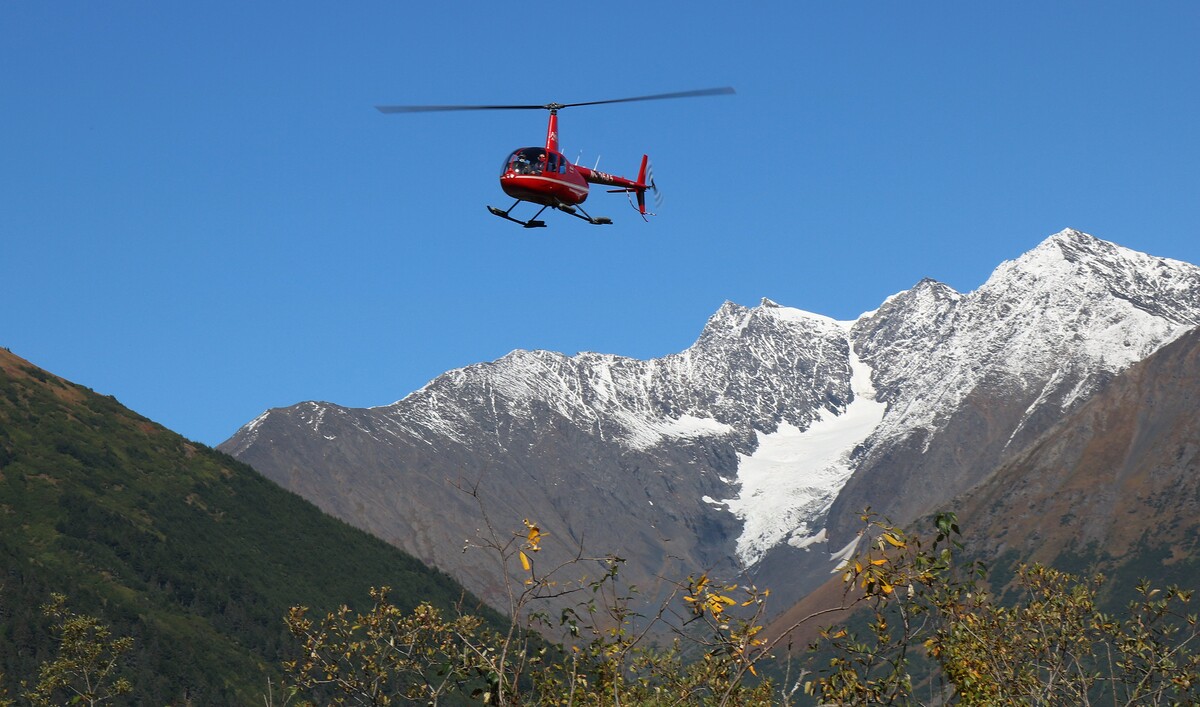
<point x="1074" y="308"/>
<point x="971" y="379"/>
<point x="756" y="447"/>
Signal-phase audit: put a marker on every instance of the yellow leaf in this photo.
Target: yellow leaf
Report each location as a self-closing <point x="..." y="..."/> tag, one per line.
<point x="534" y="535"/>
<point x="880" y="561"/>
<point x="524" y="560"/>
<point x="893" y="540"/>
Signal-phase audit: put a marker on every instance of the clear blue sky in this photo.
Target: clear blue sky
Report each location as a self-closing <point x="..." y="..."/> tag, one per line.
<point x="202" y="214"/>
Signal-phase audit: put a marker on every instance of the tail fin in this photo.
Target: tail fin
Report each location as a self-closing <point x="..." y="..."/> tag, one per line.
<point x="645" y="181"/>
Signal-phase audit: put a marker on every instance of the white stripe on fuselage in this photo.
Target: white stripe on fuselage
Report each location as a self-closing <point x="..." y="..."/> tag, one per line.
<point x="578" y="190"/>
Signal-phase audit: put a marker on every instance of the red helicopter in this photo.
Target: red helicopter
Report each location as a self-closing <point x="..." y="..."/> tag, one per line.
<point x="542" y="175"/>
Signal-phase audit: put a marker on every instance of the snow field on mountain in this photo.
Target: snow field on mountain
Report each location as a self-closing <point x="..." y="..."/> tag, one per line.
<point x="646" y="433"/>
<point x="793" y="476"/>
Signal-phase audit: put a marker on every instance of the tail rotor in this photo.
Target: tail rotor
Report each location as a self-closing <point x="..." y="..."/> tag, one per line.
<point x="658" y="195"/>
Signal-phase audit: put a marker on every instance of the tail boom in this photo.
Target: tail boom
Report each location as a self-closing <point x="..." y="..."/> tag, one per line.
<point x="645" y="180"/>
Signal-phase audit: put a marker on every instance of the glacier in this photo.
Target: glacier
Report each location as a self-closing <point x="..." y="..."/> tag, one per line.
<point x="789" y="481"/>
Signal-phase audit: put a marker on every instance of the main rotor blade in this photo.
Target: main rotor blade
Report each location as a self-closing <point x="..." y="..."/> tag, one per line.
<point x="724" y="90"/>
<point x="434" y="109"/>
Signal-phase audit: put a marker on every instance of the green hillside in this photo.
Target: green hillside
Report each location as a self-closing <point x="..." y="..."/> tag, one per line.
<point x="190" y="552"/>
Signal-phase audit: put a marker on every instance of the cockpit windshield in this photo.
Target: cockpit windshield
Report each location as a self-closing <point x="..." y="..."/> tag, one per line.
<point x="527" y="160"/>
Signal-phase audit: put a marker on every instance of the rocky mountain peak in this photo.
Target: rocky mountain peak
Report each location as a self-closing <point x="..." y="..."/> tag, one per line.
<point x="1073" y="307"/>
<point x="978" y="379"/>
<point x="1075" y="262"/>
<point x="1079" y="247"/>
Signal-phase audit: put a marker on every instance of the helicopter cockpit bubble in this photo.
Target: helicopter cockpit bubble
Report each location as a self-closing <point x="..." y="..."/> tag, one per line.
<point x="527" y="160"/>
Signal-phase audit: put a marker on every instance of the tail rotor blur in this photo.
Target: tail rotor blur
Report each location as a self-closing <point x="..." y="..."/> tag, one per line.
<point x="658" y="195"/>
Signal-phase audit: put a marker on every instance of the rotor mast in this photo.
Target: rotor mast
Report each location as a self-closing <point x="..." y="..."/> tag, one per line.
<point x="552" y="125"/>
<point x="552" y="129"/>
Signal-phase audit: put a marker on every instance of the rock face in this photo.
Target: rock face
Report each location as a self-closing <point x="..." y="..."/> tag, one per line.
<point x="1114" y="487"/>
<point x="754" y="450"/>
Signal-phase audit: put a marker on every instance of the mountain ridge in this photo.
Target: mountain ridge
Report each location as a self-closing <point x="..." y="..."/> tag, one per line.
<point x="967" y="380"/>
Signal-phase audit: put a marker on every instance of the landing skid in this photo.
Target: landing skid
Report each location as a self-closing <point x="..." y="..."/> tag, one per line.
<point x="534" y="223"/>
<point x="531" y="223"/>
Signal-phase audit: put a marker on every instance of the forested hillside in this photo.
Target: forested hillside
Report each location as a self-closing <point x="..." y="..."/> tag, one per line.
<point x="193" y="554"/>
